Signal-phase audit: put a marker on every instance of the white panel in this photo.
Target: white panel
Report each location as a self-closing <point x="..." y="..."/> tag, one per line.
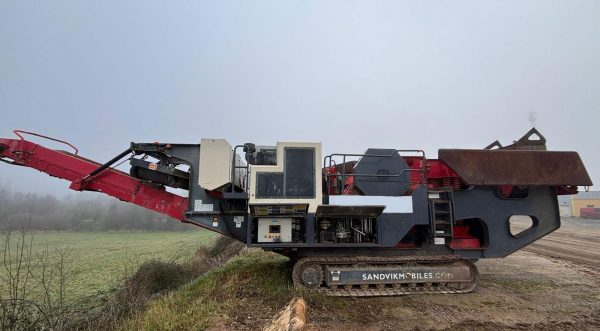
<point x="565" y="211"/>
<point x="312" y="203"/>
<point x="402" y="204"/>
<point x="238" y="220"/>
<point x="285" y="230"/>
<point x="215" y="163"/>
<point x="200" y="206"/>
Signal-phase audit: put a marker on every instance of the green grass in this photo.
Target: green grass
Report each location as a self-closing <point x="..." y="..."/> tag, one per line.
<point x="99" y="261"/>
<point x="244" y="293"/>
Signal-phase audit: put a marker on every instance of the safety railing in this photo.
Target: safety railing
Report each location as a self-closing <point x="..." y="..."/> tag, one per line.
<point x="19" y="132"/>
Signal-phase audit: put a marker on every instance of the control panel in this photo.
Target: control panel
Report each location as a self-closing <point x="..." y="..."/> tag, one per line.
<point x="274" y="230"/>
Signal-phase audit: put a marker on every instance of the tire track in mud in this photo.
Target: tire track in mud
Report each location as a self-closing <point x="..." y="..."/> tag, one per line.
<point x="575" y="244"/>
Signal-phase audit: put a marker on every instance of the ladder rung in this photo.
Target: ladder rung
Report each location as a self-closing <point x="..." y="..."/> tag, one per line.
<point x="442" y="218"/>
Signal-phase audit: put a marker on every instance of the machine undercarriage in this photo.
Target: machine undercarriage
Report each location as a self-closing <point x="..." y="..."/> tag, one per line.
<point x="361" y="276"/>
<point x="384" y="222"/>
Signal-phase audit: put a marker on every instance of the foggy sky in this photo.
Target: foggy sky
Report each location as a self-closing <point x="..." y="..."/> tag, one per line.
<point x="350" y="74"/>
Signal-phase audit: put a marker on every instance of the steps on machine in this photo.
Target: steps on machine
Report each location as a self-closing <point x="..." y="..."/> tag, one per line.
<point x="441" y="216"/>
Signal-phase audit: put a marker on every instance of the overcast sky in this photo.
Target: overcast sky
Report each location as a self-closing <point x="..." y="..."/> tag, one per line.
<point x="421" y="74"/>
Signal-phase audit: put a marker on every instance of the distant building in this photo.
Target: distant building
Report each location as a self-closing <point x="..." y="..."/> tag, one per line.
<point x="564" y="205"/>
<point x="589" y="199"/>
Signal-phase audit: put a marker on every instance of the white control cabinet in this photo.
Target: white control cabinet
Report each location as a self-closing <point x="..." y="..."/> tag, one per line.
<point x="274" y="230"/>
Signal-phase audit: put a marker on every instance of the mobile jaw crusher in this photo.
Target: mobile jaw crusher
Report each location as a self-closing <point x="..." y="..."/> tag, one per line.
<point x="385" y="222"/>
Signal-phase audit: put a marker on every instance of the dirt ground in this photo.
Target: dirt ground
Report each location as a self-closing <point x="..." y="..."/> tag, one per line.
<point x="552" y="284"/>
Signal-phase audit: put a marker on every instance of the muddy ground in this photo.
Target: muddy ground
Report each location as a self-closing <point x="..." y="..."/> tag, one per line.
<point x="552" y="284"/>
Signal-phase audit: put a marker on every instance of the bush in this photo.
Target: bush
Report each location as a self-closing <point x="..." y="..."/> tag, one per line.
<point x="154" y="277"/>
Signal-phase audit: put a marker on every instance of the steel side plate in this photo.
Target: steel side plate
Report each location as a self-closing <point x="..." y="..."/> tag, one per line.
<point x="455" y="272"/>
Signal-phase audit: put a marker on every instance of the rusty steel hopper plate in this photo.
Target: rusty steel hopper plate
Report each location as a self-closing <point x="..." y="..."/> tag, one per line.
<point x="516" y="167"/>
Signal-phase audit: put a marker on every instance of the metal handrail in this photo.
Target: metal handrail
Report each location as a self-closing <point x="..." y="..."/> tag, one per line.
<point x="18" y="133"/>
<point x="373" y="175"/>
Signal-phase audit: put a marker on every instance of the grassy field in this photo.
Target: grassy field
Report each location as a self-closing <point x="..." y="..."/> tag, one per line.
<point x="99" y="261"/>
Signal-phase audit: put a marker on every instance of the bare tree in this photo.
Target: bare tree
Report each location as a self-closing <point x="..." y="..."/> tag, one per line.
<point x="15" y="289"/>
<point x="33" y="285"/>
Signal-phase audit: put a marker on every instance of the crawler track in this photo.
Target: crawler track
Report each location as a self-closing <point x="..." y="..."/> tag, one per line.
<point x="387" y="289"/>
